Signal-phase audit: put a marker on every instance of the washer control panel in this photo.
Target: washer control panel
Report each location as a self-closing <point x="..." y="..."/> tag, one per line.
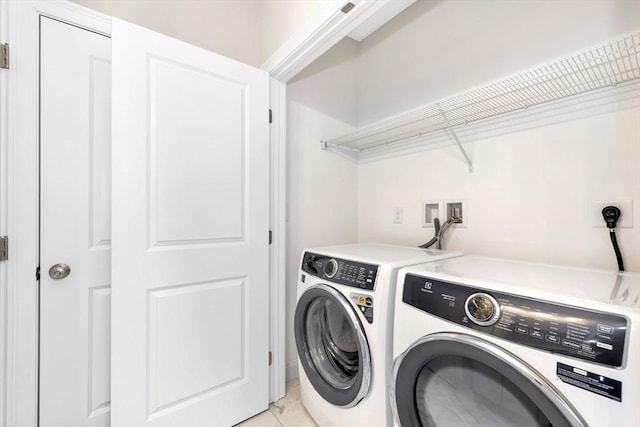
<point x="583" y="334"/>
<point x="342" y="271"/>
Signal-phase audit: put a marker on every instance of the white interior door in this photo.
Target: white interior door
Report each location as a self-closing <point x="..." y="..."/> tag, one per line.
<point x="75" y="225"/>
<point x="190" y="234"/>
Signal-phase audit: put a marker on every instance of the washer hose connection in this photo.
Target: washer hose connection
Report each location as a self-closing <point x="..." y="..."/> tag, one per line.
<point x="436" y="225"/>
<point x="447" y="224"/>
<point x="440" y="231"/>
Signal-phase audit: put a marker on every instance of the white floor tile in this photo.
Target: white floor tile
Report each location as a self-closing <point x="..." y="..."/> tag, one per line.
<point x="263" y="419"/>
<point x="286" y="412"/>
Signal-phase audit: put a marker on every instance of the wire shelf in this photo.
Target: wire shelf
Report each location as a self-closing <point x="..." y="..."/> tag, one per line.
<point x="607" y="65"/>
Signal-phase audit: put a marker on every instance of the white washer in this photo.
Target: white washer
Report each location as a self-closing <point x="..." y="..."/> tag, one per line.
<point x="482" y="341"/>
<point x="343" y="329"/>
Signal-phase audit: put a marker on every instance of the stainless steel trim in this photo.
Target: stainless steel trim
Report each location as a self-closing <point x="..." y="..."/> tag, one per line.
<point x="535" y="378"/>
<point x="363" y="344"/>
<point x="391" y="387"/>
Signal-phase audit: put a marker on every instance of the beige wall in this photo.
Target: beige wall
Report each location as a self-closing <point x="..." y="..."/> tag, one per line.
<point x="280" y="19"/>
<point x="248" y="31"/>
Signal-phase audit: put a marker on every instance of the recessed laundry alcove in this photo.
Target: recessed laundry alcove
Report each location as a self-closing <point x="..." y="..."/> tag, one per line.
<point x="536" y="171"/>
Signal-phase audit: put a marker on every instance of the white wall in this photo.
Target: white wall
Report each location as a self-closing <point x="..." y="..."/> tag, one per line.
<point x="321" y="188"/>
<point x="248" y="31"/>
<point x="435" y="49"/>
<point x="530" y="195"/>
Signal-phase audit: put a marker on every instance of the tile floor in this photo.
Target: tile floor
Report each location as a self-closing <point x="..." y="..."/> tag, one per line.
<point x="286" y="412"/>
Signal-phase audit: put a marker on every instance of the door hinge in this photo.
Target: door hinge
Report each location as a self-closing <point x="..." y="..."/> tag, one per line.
<point x="270" y="237"/>
<point x="38" y="273"/>
<point x="4" y="248"/>
<point x="270" y="358"/>
<point x="270" y="116"/>
<point x="4" y="55"/>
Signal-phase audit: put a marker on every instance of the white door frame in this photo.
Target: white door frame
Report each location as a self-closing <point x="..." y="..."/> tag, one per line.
<point x="19" y="172"/>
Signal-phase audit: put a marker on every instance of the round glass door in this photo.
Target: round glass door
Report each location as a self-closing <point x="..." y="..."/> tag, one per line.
<point x="332" y="346"/>
<point x="454" y="379"/>
<point x="455" y="390"/>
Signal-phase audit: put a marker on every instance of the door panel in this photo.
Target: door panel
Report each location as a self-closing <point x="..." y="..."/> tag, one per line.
<point x="171" y="316"/>
<point x="75" y="221"/>
<point x="190" y="221"/>
<point x="195" y="135"/>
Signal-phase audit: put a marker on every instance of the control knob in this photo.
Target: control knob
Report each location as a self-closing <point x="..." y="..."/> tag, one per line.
<point x="482" y="309"/>
<point x="330" y="268"/>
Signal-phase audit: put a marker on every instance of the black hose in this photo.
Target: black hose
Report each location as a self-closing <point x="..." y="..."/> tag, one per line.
<point x="614" y="241"/>
<point x="436" y="225"/>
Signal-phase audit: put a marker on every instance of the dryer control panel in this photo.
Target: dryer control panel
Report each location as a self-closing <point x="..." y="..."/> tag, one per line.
<point x="570" y="331"/>
<point x="342" y="271"/>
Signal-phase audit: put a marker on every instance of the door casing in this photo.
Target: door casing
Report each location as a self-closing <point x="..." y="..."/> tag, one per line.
<point x="19" y="192"/>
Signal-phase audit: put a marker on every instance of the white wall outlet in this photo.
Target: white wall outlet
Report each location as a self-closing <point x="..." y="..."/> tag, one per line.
<point x="431" y="210"/>
<point x="626" y="213"/>
<point x="398" y="215"/>
<point x="458" y="208"/>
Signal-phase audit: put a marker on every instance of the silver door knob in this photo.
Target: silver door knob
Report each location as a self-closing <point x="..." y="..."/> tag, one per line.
<point x="59" y="271"/>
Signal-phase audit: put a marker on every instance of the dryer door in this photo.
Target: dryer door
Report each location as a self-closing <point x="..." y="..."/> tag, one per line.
<point x="447" y="379"/>
<point x="332" y="346"/>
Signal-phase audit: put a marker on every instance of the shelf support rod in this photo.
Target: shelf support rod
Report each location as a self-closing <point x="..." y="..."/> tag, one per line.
<point x="325" y="145"/>
<point x="455" y="137"/>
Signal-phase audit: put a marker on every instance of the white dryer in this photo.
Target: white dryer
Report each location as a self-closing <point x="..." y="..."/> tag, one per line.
<point x="489" y="342"/>
<point x="343" y="329"/>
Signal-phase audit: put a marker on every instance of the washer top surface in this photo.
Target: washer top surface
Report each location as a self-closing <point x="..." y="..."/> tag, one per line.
<point x="568" y="285"/>
<point x="389" y="255"/>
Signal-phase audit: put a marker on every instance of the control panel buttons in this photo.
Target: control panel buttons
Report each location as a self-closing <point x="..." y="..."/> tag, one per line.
<point x="552" y="338"/>
<point x="344" y="272"/>
<point x="604" y="345"/>
<point x="606" y="329"/>
<point x="571" y="344"/>
<point x="587" y="348"/>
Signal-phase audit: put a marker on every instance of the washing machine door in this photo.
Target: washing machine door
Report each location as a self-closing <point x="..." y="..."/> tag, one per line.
<point x="449" y="379"/>
<point x="332" y="346"/>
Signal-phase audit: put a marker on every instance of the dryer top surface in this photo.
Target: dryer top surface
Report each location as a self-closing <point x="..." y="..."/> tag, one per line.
<point x="383" y="254"/>
<point x="569" y="285"/>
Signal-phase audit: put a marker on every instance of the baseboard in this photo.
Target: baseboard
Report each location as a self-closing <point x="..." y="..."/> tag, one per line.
<point x="292" y="370"/>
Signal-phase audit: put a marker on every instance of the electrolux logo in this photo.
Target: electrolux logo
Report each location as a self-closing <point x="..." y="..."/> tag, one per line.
<point x="426" y="288"/>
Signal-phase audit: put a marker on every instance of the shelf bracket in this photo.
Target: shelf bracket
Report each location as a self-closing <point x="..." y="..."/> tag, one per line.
<point x="455" y="137"/>
<point x="323" y="145"/>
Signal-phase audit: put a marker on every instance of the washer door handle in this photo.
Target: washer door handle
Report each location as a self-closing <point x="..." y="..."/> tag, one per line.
<point x="59" y="271"/>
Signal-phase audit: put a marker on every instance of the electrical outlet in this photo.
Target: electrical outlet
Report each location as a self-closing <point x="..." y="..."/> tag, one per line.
<point x="398" y="215"/>
<point x="456" y="208"/>
<point x="626" y="213"/>
<point x="430" y="211"/>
